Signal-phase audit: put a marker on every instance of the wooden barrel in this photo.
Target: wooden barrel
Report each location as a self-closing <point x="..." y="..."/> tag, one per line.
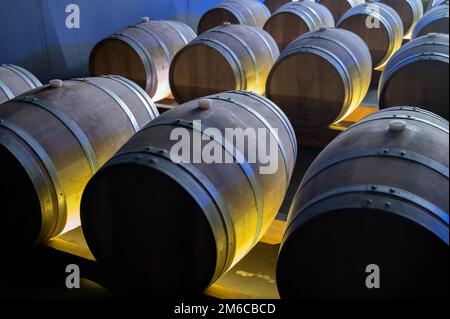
<point x="379" y="26"/>
<point x="418" y="75"/>
<point x="274" y="5"/>
<point x="377" y="195"/>
<point x="181" y="223"/>
<point x="295" y="19"/>
<point x="142" y="53"/>
<point x="52" y="140"/>
<point x="410" y="11"/>
<point x="434" y="21"/>
<point x="14" y="81"/>
<point x="321" y="78"/>
<point x="339" y="7"/>
<point x="440" y="2"/>
<point x="246" y="12"/>
<point x="229" y="57"/>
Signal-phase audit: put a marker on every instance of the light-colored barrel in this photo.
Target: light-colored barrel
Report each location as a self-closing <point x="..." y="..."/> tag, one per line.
<point x="379" y="26"/>
<point x="246" y="12"/>
<point x="434" y="21"/>
<point x="321" y="78"/>
<point x="142" y="53"/>
<point x="14" y="81"/>
<point x="229" y="57"/>
<point x="418" y="75"/>
<point x="175" y="228"/>
<point x="52" y="141"/>
<point x="295" y="19"/>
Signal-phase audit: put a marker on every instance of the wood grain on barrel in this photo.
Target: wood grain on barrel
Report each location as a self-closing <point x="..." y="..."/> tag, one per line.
<point x="225" y="58"/>
<point x="321" y="78"/>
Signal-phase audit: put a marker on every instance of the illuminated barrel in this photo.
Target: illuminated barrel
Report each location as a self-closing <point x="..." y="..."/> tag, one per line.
<point x="321" y="78"/>
<point x="246" y="12"/>
<point x="142" y="53"/>
<point x="339" y="7"/>
<point x="52" y="140"/>
<point x="14" y="81"/>
<point x="230" y="57"/>
<point x="410" y="11"/>
<point x="297" y="18"/>
<point x="376" y="197"/>
<point x="418" y="75"/>
<point x="173" y="227"/>
<point x="379" y="26"/>
<point x="434" y="21"/>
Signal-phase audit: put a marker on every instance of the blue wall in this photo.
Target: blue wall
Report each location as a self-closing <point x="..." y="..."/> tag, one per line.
<point x="33" y="33"/>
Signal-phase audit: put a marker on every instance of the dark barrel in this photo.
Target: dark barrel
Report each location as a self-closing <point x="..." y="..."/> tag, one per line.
<point x="14" y="81"/>
<point x="142" y="53"/>
<point x="321" y="78"/>
<point x="173" y="227"/>
<point x="246" y="12"/>
<point x="434" y="21"/>
<point x="339" y="7"/>
<point x="418" y="75"/>
<point x="295" y="19"/>
<point x="376" y="197"/>
<point x="52" y="140"/>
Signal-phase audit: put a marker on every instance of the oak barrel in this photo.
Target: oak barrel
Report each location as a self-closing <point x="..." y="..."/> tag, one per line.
<point x="295" y="19"/>
<point x="321" y="78"/>
<point x="52" y="140"/>
<point x="379" y="26"/>
<point x="376" y="196"/>
<point x="410" y="11"/>
<point x="274" y="5"/>
<point x="14" y="81"/>
<point x="434" y="21"/>
<point x="174" y="225"/>
<point x="142" y="53"/>
<point x="418" y="75"/>
<point x="229" y="57"/>
<point x="246" y="12"/>
<point x="339" y="7"/>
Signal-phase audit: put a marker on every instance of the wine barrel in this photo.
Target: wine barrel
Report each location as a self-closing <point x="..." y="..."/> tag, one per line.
<point x="410" y="11"/>
<point x="418" y="75"/>
<point x="14" y="81"/>
<point x="246" y="12"/>
<point x="230" y="57"/>
<point x="295" y="19"/>
<point x="440" y="2"/>
<point x="52" y="140"/>
<point x="321" y="78"/>
<point x="274" y="5"/>
<point x="377" y="195"/>
<point x="434" y="21"/>
<point x="339" y="7"/>
<point x="178" y="224"/>
<point x="379" y="26"/>
<point x="142" y="53"/>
